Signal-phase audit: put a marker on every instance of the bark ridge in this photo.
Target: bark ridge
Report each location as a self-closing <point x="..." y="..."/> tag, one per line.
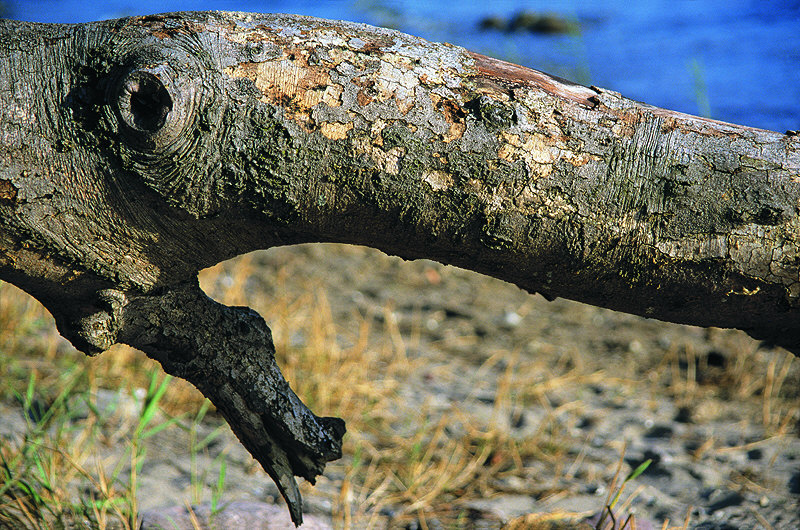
<point x="135" y="152"/>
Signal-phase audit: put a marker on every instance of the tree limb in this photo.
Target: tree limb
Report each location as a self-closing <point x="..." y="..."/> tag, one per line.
<point x="136" y="152"/>
<point x="228" y="354"/>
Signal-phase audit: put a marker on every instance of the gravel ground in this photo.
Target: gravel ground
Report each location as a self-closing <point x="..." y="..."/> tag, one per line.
<point x="713" y="410"/>
<point x="713" y="454"/>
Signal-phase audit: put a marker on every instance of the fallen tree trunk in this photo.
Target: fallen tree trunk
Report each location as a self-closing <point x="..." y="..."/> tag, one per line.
<point x="138" y="151"/>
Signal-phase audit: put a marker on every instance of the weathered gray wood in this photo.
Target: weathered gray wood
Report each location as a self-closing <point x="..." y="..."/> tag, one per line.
<point x="136" y="152"/>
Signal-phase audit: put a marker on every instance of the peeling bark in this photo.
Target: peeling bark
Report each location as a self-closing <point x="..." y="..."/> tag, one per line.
<point x="138" y="151"/>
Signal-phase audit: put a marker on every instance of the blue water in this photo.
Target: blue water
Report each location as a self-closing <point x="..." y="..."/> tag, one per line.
<point x="742" y="56"/>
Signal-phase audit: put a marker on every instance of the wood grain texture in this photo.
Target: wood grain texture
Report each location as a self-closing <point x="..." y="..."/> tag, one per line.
<point x="135" y="152"/>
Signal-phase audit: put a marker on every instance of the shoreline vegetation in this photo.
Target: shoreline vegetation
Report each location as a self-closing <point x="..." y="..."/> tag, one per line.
<point x="466" y="401"/>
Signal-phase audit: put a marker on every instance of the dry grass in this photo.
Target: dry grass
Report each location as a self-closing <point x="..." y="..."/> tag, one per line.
<point x="412" y="457"/>
<point x="399" y="452"/>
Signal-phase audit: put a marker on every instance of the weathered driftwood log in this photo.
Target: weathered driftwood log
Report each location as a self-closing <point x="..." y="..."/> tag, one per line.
<point x="137" y="151"/>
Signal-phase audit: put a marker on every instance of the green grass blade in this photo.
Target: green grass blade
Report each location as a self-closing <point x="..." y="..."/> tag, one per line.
<point x="639" y="470"/>
<point x="154" y="394"/>
<point x="633" y="474"/>
<point x="161" y="426"/>
<point x="216" y="495"/>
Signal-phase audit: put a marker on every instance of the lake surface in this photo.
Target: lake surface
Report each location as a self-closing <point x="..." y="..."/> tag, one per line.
<point x="742" y="57"/>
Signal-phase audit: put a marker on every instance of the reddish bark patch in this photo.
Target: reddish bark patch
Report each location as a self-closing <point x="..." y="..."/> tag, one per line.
<point x="513" y="74"/>
<point x="159" y="28"/>
<point x="363" y="99"/>
<point x="453" y="113"/>
<point x="367" y="92"/>
<point x="376" y="45"/>
<point x="8" y="192"/>
<point x="669" y="124"/>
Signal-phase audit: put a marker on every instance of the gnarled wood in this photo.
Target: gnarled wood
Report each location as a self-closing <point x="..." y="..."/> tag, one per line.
<point x="136" y="152"/>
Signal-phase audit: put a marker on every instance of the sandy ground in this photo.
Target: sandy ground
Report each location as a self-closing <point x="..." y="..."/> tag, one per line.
<point x="715" y="412"/>
<point x="692" y="400"/>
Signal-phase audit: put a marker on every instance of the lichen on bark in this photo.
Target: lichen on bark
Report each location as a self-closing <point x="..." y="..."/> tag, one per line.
<point x="136" y="152"/>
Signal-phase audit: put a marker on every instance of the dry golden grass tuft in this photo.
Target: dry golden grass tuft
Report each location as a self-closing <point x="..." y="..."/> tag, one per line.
<point x="397" y="453"/>
<point x="410" y="457"/>
<point x="30" y="344"/>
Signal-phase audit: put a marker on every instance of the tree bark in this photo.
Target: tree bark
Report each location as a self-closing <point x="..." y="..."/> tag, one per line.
<point x="138" y="151"/>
